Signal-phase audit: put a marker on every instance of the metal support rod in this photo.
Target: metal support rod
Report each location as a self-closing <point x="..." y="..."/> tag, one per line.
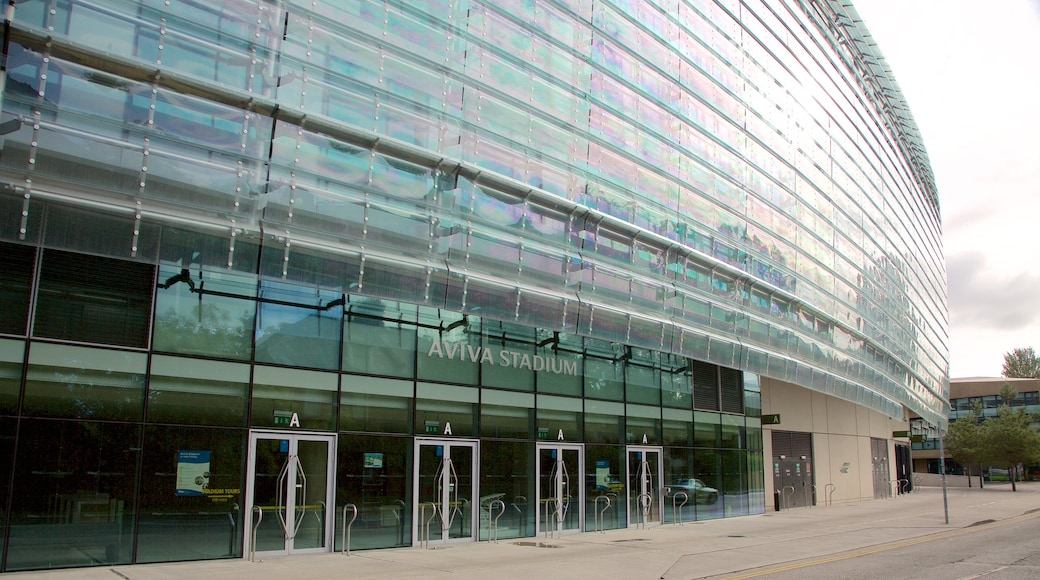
<point x="346" y="526"/>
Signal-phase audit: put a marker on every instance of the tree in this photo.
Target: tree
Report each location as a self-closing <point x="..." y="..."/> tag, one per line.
<point x="1021" y="363"/>
<point x="1009" y="438"/>
<point x="964" y="441"/>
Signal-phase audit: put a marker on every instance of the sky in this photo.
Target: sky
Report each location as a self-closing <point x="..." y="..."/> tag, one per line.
<point x="970" y="72"/>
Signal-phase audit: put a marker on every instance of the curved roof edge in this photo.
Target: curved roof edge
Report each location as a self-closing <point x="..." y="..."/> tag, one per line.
<point x="881" y="82"/>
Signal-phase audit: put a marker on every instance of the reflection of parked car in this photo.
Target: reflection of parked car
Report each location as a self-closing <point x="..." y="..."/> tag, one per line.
<point x="695" y="490"/>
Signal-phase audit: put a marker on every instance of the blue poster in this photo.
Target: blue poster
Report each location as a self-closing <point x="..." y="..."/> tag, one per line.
<point x="192" y="473"/>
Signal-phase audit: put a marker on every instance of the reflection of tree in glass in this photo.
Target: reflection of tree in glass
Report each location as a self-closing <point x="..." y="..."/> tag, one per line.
<point x="216" y="334"/>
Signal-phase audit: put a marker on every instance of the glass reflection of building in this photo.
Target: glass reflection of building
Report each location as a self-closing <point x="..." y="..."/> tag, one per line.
<point x="451" y="262"/>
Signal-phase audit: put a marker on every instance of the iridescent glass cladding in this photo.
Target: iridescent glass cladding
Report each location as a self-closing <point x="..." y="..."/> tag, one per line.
<point x="560" y="168"/>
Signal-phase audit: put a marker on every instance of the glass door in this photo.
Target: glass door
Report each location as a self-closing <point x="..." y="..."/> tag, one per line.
<point x="289" y="493"/>
<point x="445" y="491"/>
<point x="561" y="492"/>
<point x="645" y="489"/>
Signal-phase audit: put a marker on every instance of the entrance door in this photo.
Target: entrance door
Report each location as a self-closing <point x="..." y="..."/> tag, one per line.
<point x="445" y="507"/>
<point x="561" y="492"/>
<point x="289" y="493"/>
<point x="645" y="490"/>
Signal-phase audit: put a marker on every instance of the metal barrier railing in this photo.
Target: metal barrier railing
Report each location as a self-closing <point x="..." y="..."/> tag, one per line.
<point x="786" y="504"/>
<point x="493" y="519"/>
<point x="232" y="515"/>
<point x="551" y="521"/>
<point x="677" y="509"/>
<point x="424" y="523"/>
<point x="252" y="538"/>
<point x="828" y="491"/>
<point x="597" y="516"/>
<point x="347" y="525"/>
<point x="904" y="485"/>
<point x="810" y="496"/>
<point x="643" y="503"/>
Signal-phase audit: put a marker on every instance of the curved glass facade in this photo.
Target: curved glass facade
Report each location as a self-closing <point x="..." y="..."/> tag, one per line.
<point x="493" y="224"/>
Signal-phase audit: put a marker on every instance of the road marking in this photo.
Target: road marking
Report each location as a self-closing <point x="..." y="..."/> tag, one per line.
<point x="884" y="548"/>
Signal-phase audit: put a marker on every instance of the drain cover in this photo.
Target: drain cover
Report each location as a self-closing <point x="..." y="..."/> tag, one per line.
<point x="536" y="544"/>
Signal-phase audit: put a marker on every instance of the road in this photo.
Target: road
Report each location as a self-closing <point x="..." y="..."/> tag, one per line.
<point x="1003" y="550"/>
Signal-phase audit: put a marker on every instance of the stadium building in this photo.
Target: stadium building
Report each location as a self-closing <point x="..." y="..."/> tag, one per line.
<point x="439" y="270"/>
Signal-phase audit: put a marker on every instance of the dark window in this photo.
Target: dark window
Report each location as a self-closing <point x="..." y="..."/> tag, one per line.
<point x="732" y="388"/>
<point x="705" y="386"/>
<point x="92" y="299"/>
<point x="17" y="265"/>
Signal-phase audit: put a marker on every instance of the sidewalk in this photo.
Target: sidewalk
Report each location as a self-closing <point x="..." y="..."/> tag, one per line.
<point x="679" y="552"/>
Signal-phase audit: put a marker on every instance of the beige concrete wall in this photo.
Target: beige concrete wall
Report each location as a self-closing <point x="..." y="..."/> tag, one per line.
<point x="841" y="433"/>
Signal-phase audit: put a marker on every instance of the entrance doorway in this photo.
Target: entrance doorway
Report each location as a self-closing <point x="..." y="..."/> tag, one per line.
<point x="289" y="492"/>
<point x="645" y="490"/>
<point x="561" y="492"/>
<point x="445" y="507"/>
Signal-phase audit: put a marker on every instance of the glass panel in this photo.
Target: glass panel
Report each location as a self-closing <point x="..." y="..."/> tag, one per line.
<point x="445" y="417"/>
<point x="299" y="326"/>
<point x="93" y="299"/>
<point x="604" y="379"/>
<point x="642" y="384"/>
<point x="376" y="405"/>
<point x="217" y="323"/>
<point x="506" y="475"/>
<point x="294" y="398"/>
<point x="72" y="495"/>
<point x="506" y="415"/>
<point x="90" y="383"/>
<point x="373" y="475"/>
<point x="17" y="264"/>
<point x="12" y="353"/>
<point x="197" y="392"/>
<point x="269" y="493"/>
<point x="604" y="422"/>
<point x="376" y="340"/>
<point x="707" y="469"/>
<point x="644" y="486"/>
<point x="197" y="522"/>
<point x="604" y="466"/>
<point x="311" y="494"/>
<point x="446" y="480"/>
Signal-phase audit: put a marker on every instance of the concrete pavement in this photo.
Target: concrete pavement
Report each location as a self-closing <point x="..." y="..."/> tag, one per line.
<point x="716" y="548"/>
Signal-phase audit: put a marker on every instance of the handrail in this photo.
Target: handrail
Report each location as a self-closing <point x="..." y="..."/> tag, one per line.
<point x="677" y="510"/>
<point x="810" y="501"/>
<point x="828" y="490"/>
<point x="597" y="516"/>
<point x="252" y="538"/>
<point x="644" y="500"/>
<point x="493" y="520"/>
<point x="346" y="526"/>
<point x="787" y="496"/>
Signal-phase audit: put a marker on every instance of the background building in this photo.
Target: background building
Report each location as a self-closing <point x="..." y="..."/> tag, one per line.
<point x="964" y="393"/>
<point x="267" y="262"/>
